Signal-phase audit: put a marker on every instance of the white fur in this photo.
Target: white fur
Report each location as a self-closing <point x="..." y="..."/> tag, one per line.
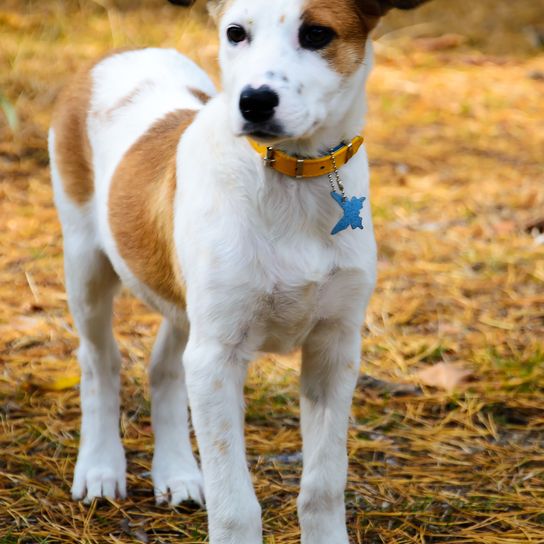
<point x="262" y="273"/>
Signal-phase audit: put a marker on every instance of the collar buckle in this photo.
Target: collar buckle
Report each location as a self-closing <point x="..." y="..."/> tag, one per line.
<point x="269" y="159"/>
<point x="349" y="151"/>
<point x="299" y="170"/>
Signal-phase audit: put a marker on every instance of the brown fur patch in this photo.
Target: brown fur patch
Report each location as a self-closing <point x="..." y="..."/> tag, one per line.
<point x="72" y="148"/>
<point x="200" y="95"/>
<point x="222" y="446"/>
<point x="141" y="206"/>
<point x="73" y="152"/>
<point x="352" y="20"/>
<point x="128" y="99"/>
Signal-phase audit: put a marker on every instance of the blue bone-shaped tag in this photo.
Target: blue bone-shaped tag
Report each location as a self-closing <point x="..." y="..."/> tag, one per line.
<point x="352" y="212"/>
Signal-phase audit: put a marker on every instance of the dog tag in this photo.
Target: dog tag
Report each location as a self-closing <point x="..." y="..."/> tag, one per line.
<point x="352" y="212"/>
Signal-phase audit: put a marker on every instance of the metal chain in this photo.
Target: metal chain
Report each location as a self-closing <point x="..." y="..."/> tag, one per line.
<point x="338" y="179"/>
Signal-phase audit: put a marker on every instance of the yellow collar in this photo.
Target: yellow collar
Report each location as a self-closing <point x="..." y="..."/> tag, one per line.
<point x="307" y="168"/>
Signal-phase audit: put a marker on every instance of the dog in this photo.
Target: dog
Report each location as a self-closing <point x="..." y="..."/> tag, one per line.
<point x="215" y="208"/>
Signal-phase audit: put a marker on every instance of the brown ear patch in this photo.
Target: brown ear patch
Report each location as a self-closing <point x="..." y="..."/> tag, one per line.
<point x="141" y="206"/>
<point x="72" y="148"/>
<point x="347" y="51"/>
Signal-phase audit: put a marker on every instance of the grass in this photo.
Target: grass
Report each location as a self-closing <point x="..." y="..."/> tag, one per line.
<point x="455" y="138"/>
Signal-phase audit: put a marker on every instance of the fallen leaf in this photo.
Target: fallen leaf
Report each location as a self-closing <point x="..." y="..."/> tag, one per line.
<point x="383" y="388"/>
<point x="446" y="376"/>
<point x="9" y="111"/>
<point x="60" y="384"/>
<point x="134" y="531"/>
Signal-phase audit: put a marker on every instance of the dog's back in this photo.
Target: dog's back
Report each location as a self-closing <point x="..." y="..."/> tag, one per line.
<point x="113" y="144"/>
<point x="109" y="105"/>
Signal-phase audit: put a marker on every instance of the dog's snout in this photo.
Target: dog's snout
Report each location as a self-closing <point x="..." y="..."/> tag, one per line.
<point x="258" y="105"/>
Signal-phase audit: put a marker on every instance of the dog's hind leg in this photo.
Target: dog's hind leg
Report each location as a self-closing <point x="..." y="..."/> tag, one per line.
<point x="91" y="284"/>
<point x="176" y="476"/>
<point x="330" y="366"/>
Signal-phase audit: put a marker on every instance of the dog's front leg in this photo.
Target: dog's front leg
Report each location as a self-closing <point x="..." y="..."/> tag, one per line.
<point x="215" y="375"/>
<point x="330" y="366"/>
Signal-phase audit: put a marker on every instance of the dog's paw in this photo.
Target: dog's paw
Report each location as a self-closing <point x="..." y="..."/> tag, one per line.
<point x="102" y="475"/>
<point x="179" y="485"/>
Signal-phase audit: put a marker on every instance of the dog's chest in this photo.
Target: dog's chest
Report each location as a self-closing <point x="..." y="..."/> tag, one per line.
<point x="284" y="316"/>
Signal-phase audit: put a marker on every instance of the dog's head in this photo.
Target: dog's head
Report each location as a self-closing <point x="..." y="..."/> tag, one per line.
<point x="288" y="66"/>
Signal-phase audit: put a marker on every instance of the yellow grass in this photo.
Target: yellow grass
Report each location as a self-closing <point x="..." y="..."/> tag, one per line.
<point x="456" y="140"/>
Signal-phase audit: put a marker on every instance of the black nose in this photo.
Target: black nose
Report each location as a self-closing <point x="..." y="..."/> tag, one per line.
<point x="257" y="105"/>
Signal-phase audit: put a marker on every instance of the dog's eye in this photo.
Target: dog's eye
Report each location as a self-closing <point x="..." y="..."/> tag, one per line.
<point x="315" y="37"/>
<point x="236" y="34"/>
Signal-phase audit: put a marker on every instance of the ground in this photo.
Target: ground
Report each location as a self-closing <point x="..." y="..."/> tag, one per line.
<point x="456" y="140"/>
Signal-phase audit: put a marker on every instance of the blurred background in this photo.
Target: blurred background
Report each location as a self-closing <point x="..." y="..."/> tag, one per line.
<point x="446" y="443"/>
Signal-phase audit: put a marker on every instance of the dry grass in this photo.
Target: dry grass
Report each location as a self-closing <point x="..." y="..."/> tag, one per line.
<point x="456" y="138"/>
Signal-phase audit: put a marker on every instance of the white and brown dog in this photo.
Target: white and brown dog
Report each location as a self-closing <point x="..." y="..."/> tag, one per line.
<point x="160" y="183"/>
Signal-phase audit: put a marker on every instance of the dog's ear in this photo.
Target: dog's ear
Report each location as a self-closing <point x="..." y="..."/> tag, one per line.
<point x="215" y="9"/>
<point x="185" y="3"/>
<point x="214" y="6"/>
